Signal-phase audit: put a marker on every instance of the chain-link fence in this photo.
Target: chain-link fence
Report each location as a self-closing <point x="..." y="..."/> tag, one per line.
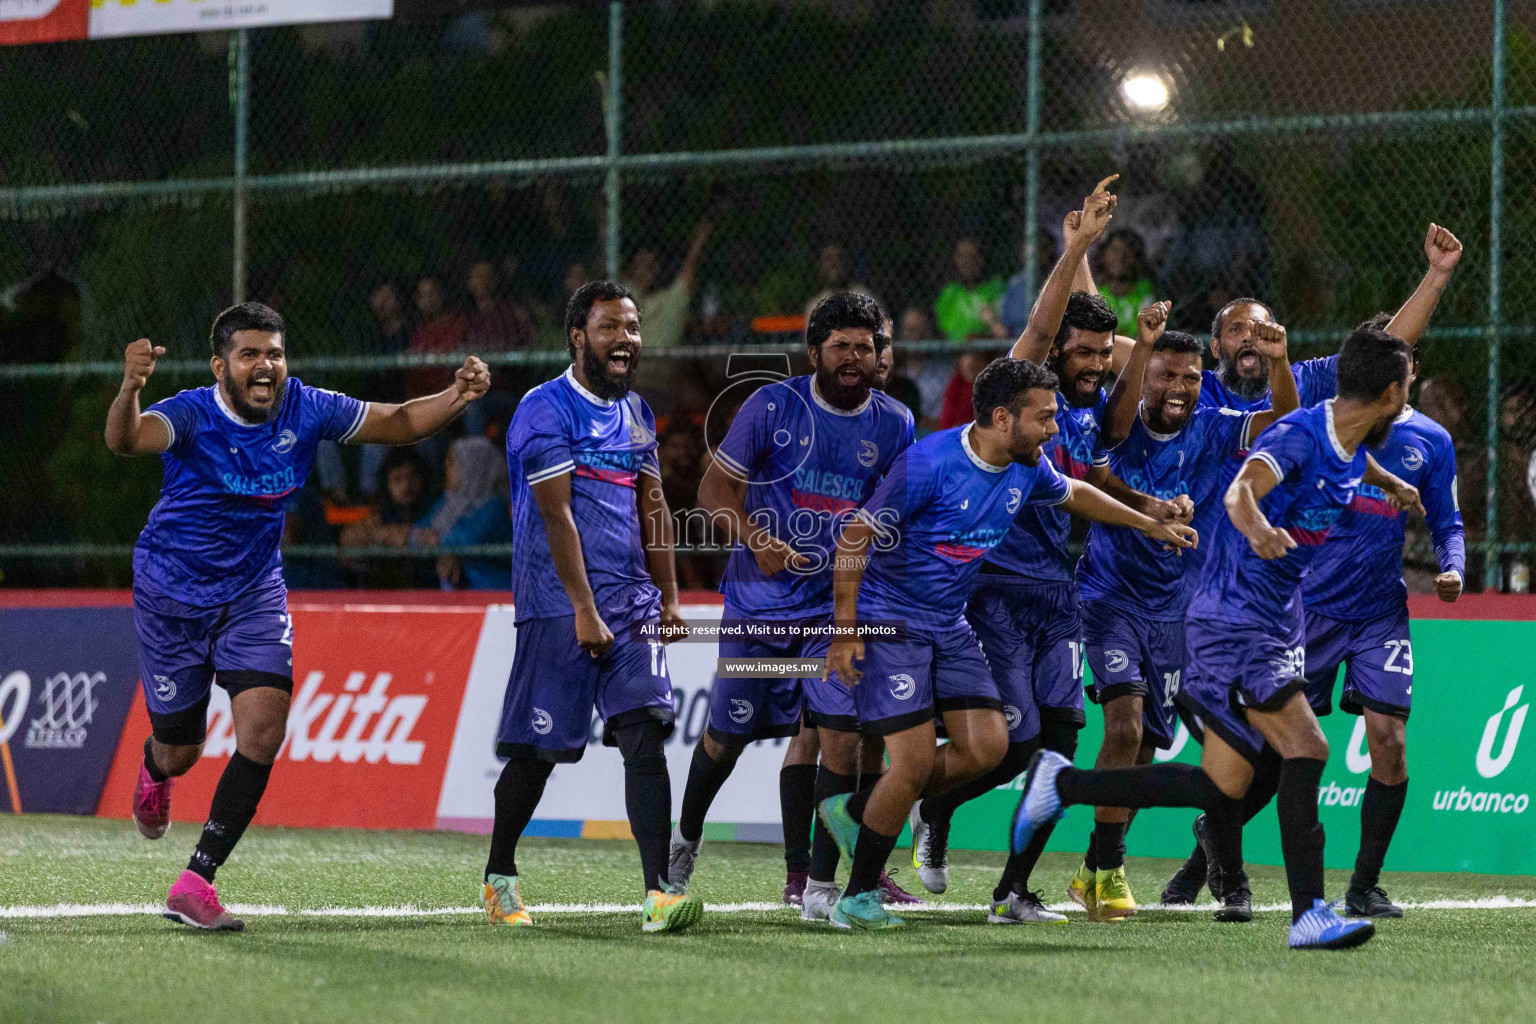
<point x="405" y="192"/>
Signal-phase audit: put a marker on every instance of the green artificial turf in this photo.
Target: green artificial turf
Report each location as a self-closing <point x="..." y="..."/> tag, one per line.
<point x="1470" y="965"/>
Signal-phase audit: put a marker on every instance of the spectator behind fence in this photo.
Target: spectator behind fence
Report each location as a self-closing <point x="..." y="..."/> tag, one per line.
<point x="958" y="408"/>
<point x="402" y="497"/>
<point x="664" y="311"/>
<point x="834" y="275"/>
<point x="473" y="510"/>
<point x="967" y="308"/>
<point x="931" y="371"/>
<point x="898" y="385"/>
<point x="391" y="335"/>
<point x="1016" y="303"/>
<point x="497" y="323"/>
<point x="438" y="330"/>
<point x="680" y="451"/>
<point x="304" y="523"/>
<point x="1123" y="277"/>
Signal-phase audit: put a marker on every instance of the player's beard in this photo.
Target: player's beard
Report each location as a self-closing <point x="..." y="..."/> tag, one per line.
<point x="1024" y="450"/>
<point x="1248" y="388"/>
<point x="603" y="384"/>
<point x="844" y="396"/>
<point x="1077" y="396"/>
<point x="254" y="413"/>
<point x="1160" y="420"/>
<point x="1379" y="433"/>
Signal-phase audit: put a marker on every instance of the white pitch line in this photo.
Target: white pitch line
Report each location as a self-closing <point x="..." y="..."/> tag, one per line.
<point x="59" y="910"/>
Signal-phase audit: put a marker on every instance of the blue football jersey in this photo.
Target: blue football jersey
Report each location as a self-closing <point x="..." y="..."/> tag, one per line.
<point x="1318" y="480"/>
<point x="1037" y="545"/>
<point x="809" y="466"/>
<point x="1122" y="565"/>
<point x="1316" y="380"/>
<point x="1358" y="575"/>
<point x="936" y="515"/>
<point x="561" y="427"/>
<point x="217" y="527"/>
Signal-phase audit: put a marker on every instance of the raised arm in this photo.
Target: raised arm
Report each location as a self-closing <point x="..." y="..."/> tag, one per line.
<point x="1403" y="496"/>
<point x="1284" y="398"/>
<point x="656" y="522"/>
<point x="1092" y="504"/>
<point x="128" y="432"/>
<point x="690" y="270"/>
<point x="411" y="421"/>
<point x="1444" y="251"/>
<point x="553" y="496"/>
<point x="1080" y="230"/>
<point x="1125" y="397"/>
<point x="847" y="574"/>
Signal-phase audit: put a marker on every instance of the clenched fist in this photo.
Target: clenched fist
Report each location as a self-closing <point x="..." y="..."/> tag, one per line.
<point x="473" y="379"/>
<point x="139" y="362"/>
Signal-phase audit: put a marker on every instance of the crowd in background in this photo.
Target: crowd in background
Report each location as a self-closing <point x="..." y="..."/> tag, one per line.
<point x="454" y="493"/>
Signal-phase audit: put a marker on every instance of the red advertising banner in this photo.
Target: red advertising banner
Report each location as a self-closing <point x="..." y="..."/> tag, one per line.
<point x="377" y="690"/>
<point x="43" y="21"/>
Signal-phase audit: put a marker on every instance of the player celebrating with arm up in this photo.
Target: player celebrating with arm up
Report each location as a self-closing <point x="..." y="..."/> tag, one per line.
<point x="209" y="602"/>
<point x="947" y="502"/>
<point x="1245" y="632"/>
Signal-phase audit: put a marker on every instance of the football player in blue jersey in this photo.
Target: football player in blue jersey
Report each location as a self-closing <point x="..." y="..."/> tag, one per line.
<point x="596" y="600"/>
<point x="1133" y="594"/>
<point x="1245" y="672"/>
<point x="947" y="501"/>
<point x="800" y="457"/>
<point x="1024" y="608"/>
<point x="209" y="602"/>
<point x="1228" y="882"/>
<point x="1241" y="378"/>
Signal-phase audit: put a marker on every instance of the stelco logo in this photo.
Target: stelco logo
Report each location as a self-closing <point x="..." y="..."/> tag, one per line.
<point x="66" y="701"/>
<point x="352" y="726"/>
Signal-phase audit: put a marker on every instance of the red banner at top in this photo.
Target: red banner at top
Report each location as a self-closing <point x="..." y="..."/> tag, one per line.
<point x="43" y="21"/>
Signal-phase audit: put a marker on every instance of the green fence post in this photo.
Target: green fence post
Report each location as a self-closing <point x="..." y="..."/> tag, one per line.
<point x="1032" y="155"/>
<point x="615" y="98"/>
<point x="1492" y="569"/>
<point x="240" y="101"/>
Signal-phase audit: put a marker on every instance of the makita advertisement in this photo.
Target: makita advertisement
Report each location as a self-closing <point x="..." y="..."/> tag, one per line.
<point x="376" y="700"/>
<point x="396" y="706"/>
<point x="67" y="677"/>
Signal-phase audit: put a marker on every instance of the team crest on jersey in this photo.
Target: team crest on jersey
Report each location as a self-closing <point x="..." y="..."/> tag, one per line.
<point x="1116" y="660"/>
<point x="165" y="688"/>
<point x="1015" y="499"/>
<point x="868" y="453"/>
<point x="287" y="439"/>
<point x="903" y="686"/>
<point x="741" y="711"/>
<point x="542" y="723"/>
<point x="1014" y="716"/>
<point x="1412" y="458"/>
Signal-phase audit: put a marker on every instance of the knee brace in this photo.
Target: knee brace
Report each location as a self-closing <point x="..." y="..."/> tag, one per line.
<point x="641" y="746"/>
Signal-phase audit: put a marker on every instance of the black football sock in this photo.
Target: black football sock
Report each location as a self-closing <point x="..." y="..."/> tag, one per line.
<point x="149" y="761"/>
<point x="647" y="796"/>
<point x="1224" y="824"/>
<point x="857" y="802"/>
<point x="942" y="806"/>
<point x="797" y="804"/>
<point x="1020" y="865"/>
<point x="1109" y="844"/>
<point x="1301" y="841"/>
<point x="705" y="777"/>
<point x="1091" y="855"/>
<point x="518" y="792"/>
<point x="1379" y="812"/>
<point x="1154" y="785"/>
<point x="1265" y="783"/>
<point x="824" y="855"/>
<point x="233" y="807"/>
<point x="869" y="858"/>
